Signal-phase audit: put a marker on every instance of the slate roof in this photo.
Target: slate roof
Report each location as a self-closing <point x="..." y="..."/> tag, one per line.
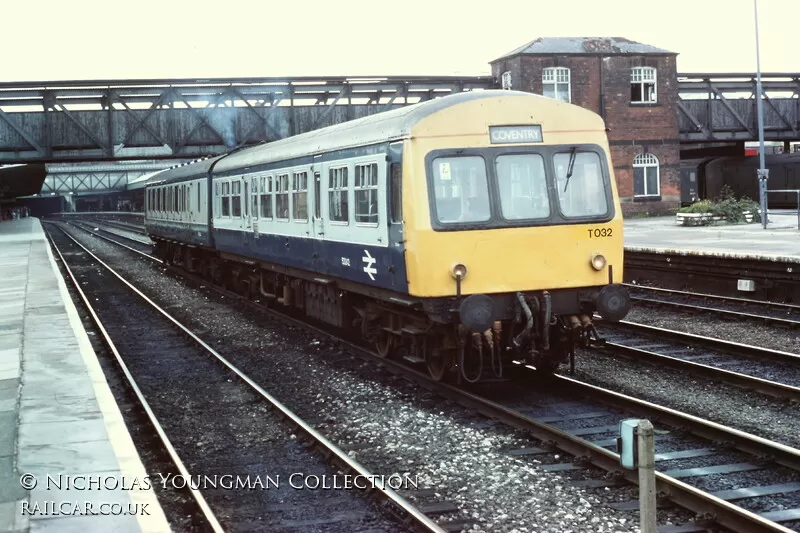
<point x="585" y="45"/>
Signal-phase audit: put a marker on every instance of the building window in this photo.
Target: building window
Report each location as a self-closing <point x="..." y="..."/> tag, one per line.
<point x="555" y="83"/>
<point x="337" y="195"/>
<point x="506" y="80"/>
<point x="643" y="85"/>
<point x="366" y="187"/>
<point x="646" y="180"/>
<point x="300" y="196"/>
<point x="265" y="189"/>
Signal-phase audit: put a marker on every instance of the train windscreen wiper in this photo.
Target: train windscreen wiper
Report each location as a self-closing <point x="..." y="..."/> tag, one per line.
<point x="570" y="166"/>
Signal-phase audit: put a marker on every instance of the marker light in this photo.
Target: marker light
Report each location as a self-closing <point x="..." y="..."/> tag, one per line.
<point x="598" y="262"/>
<point x="459" y="271"/>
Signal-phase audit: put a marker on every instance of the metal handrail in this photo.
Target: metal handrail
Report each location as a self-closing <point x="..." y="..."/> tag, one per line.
<point x="797" y="192"/>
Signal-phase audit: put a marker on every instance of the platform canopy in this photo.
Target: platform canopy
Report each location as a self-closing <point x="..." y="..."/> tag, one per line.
<point x="21" y="180"/>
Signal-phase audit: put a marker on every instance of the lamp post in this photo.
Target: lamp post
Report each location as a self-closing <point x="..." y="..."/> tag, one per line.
<point x="762" y="173"/>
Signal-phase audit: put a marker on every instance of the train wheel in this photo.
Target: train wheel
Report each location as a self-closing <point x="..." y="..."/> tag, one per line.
<point x="385" y="344"/>
<point x="438" y="363"/>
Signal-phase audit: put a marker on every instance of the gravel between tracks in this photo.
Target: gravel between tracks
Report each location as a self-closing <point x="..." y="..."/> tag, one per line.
<point x="746" y="332"/>
<point x="749" y="411"/>
<point x="468" y="466"/>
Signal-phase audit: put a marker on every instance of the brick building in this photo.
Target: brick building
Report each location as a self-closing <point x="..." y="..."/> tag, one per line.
<point x="633" y="86"/>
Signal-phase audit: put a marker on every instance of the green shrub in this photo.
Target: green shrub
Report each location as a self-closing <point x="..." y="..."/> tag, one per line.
<point x="703" y="206"/>
<point x="727" y="206"/>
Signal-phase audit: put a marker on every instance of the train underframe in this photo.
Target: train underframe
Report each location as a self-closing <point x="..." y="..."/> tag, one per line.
<point x="467" y="339"/>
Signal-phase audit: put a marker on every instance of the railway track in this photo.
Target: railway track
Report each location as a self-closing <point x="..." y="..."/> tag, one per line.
<point x="706" y="465"/>
<point x="772" y="313"/>
<point x="149" y="337"/>
<point x="772" y="372"/>
<point x="129" y="226"/>
<point x="142" y="244"/>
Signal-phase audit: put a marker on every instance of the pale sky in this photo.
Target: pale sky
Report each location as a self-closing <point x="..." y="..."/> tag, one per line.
<point x="104" y="39"/>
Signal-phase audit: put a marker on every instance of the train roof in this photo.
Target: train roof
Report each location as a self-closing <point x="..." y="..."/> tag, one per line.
<point x="373" y="129"/>
<point x="378" y="128"/>
<point x="187" y="170"/>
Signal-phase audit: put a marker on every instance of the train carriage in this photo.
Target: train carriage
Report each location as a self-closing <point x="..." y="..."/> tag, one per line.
<point x="462" y="232"/>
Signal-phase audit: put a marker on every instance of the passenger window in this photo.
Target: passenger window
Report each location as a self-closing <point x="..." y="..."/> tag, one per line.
<point x="337" y="195"/>
<point x="282" y="197"/>
<point x="266" y="197"/>
<point x="300" y="196"/>
<point x="366" y="193"/>
<point x="236" y="198"/>
<point x="226" y="198"/>
<point x="460" y="189"/>
<point x="523" y="187"/>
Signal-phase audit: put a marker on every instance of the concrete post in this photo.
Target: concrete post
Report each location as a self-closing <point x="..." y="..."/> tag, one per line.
<point x="647" y="478"/>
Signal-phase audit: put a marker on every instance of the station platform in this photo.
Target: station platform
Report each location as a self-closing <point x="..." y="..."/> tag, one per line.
<point x="779" y="242"/>
<point x="64" y="449"/>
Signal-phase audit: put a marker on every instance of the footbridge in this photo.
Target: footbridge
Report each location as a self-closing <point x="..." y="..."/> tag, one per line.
<point x="119" y="120"/>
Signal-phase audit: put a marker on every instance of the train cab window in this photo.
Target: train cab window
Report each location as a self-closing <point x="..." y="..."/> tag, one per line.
<point x="522" y="185"/>
<point x="282" y="197"/>
<point x="236" y="198"/>
<point x="581" y="187"/>
<point x="265" y="189"/>
<point x="226" y="198"/>
<point x="300" y="196"/>
<point x="366" y="193"/>
<point x="337" y="195"/>
<point x="396" y="186"/>
<point x="461" y="189"/>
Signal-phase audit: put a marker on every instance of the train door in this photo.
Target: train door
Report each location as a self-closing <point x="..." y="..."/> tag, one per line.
<point x="318" y="229"/>
<point x="317" y="222"/>
<point x="245" y="222"/>
<point x="253" y="203"/>
<point x="394" y="208"/>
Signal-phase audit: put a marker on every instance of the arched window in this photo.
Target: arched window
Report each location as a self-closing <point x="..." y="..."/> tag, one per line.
<point x="646" y="179"/>
<point x="506" y="80"/>
<point x="643" y="85"/>
<point x="555" y="83"/>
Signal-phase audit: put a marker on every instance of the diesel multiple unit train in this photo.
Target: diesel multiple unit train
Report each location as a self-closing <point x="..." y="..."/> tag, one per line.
<point x="463" y="232"/>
